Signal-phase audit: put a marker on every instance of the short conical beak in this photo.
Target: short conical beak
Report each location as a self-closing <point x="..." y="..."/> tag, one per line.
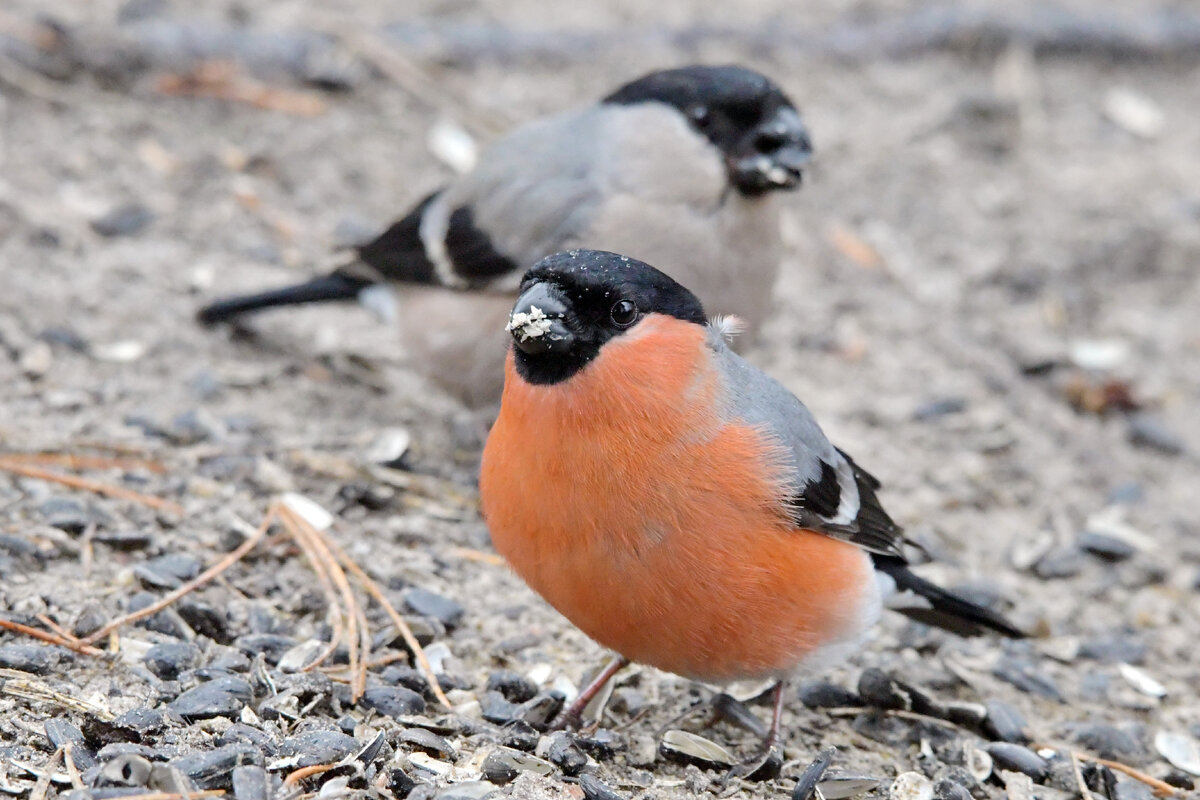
<point x="537" y="321"/>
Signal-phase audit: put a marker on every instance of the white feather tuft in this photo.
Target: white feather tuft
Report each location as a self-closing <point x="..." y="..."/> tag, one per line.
<point x="727" y="326"/>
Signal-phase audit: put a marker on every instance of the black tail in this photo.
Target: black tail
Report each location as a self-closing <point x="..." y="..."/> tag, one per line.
<point x="941" y="608"/>
<point x="335" y="286"/>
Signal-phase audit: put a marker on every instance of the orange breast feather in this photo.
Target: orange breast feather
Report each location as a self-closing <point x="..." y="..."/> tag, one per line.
<point x="657" y="527"/>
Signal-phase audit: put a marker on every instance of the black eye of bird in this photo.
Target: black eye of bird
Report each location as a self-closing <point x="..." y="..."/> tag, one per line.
<point x="623" y="313"/>
<point x="699" y="115"/>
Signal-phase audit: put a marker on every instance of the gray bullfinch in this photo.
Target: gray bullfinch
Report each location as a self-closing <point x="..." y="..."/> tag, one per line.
<point x="679" y="167"/>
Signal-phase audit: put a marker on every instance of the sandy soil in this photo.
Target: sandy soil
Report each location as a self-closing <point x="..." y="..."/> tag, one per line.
<point x="970" y="219"/>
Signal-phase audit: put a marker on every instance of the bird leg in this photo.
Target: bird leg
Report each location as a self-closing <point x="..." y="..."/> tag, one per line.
<point x="572" y="717"/>
<point x="768" y="764"/>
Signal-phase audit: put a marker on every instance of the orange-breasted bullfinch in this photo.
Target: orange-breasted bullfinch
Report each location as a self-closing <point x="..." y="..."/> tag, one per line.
<point x="674" y="502"/>
<point x="679" y="167"/>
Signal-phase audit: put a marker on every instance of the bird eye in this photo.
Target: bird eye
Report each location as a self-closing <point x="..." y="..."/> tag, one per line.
<point x="623" y="313"/>
<point x="699" y="115"/>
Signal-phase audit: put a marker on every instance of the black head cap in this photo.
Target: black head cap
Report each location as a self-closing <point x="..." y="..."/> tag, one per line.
<point x="743" y="112"/>
<point x="572" y="303"/>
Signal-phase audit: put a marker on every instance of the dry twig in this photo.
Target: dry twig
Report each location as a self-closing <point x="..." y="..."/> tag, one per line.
<point x="295" y="776"/>
<point x="43" y="782"/>
<point x="220" y="80"/>
<point x="216" y="569"/>
<point x="18" y="467"/>
<point x="77" y="462"/>
<point x="53" y="638"/>
<point x="1160" y="788"/>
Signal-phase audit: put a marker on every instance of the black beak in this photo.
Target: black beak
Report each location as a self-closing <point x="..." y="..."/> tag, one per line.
<point x="537" y="321"/>
<point x="774" y="154"/>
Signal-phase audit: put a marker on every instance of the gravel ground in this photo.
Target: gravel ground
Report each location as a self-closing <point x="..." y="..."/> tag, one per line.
<point x="989" y="298"/>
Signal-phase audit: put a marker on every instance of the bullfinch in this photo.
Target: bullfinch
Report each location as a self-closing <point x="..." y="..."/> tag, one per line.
<point x="677" y="504"/>
<point x="679" y="167"/>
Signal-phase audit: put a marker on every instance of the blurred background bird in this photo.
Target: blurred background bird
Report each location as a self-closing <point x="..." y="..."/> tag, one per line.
<point x="679" y="167"/>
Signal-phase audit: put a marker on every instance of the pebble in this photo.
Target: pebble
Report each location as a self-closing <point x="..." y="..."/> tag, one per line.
<point x="127" y="541"/>
<point x="318" y="747"/>
<point x="212" y="769"/>
<point x="1109" y="742"/>
<point x="911" y="786"/>
<point x="940" y="407"/>
<point x="36" y="360"/>
<point x="1026" y="677"/>
<point x="467" y="790"/>
<point x="429" y="604"/>
<point x="595" y="789"/>
<point x="429" y="742"/>
<point x="643" y="751"/>
<point x="806" y="784"/>
<point x="503" y="764"/>
<point x="31" y="658"/>
<point x="562" y="751"/>
<point x="167" y="571"/>
<point x="1020" y="759"/>
<point x="394" y="701"/>
<point x="520" y="735"/>
<point x="823" y="694"/>
<point x="1147" y="430"/>
<point x="271" y="645"/>
<point x="66" y="514"/>
<point x="128" y="219"/>
<point x="513" y="685"/>
<point x="245" y="734"/>
<point x="1065" y="561"/>
<point x="1004" y="722"/>
<point x="223" y="697"/>
<point x="251" y="782"/>
<point x="601" y="743"/>
<point x="1017" y="785"/>
<point x="141" y="720"/>
<point x="689" y="748"/>
<point x="949" y="790"/>
<point x="1129" y="789"/>
<point x="61" y="732"/>
<point x="125" y="769"/>
<point x="168" y="659"/>
<point x="542" y="709"/>
<point x="1114" y="649"/>
<point x="1105" y="547"/>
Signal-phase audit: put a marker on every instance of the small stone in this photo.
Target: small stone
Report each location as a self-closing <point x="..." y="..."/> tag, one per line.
<point x="503" y="764"/>
<point x="643" y="751"/>
<point x="168" y="571"/>
<point x="31" y="658"/>
<point x="141" y="720"/>
<point x="429" y="742"/>
<point x="1004" y="722"/>
<point x="520" y="735"/>
<point x="212" y="770"/>
<point x="168" y="659"/>
<point x="239" y="733"/>
<point x="36" y="360"/>
<point x="271" y="645"/>
<point x="62" y="732"/>
<point x="124" y="220"/>
<point x="1129" y="789"/>
<point x="565" y="754"/>
<point x="595" y="789"/>
<point x="1134" y="112"/>
<point x="949" y="790"/>
<point x="823" y="694"/>
<point x="223" y="697"/>
<point x="1109" y="742"/>
<point x="542" y="709"/>
<point x="1059" y="562"/>
<point x="601" y="743"/>
<point x="428" y="604"/>
<point x="1017" y="785"/>
<point x="513" y="685"/>
<point x="394" y="701"/>
<point x="1146" y="430"/>
<point x="406" y="676"/>
<point x="251" y="783"/>
<point x="911" y="786"/>
<point x="466" y="790"/>
<point x="1020" y="759"/>
<point x="318" y="747"/>
<point x="66" y="514"/>
<point x="689" y="748"/>
<point x="1114" y="649"/>
<point x="1023" y="675"/>
<point x="941" y="407"/>
<point x="1105" y="547"/>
